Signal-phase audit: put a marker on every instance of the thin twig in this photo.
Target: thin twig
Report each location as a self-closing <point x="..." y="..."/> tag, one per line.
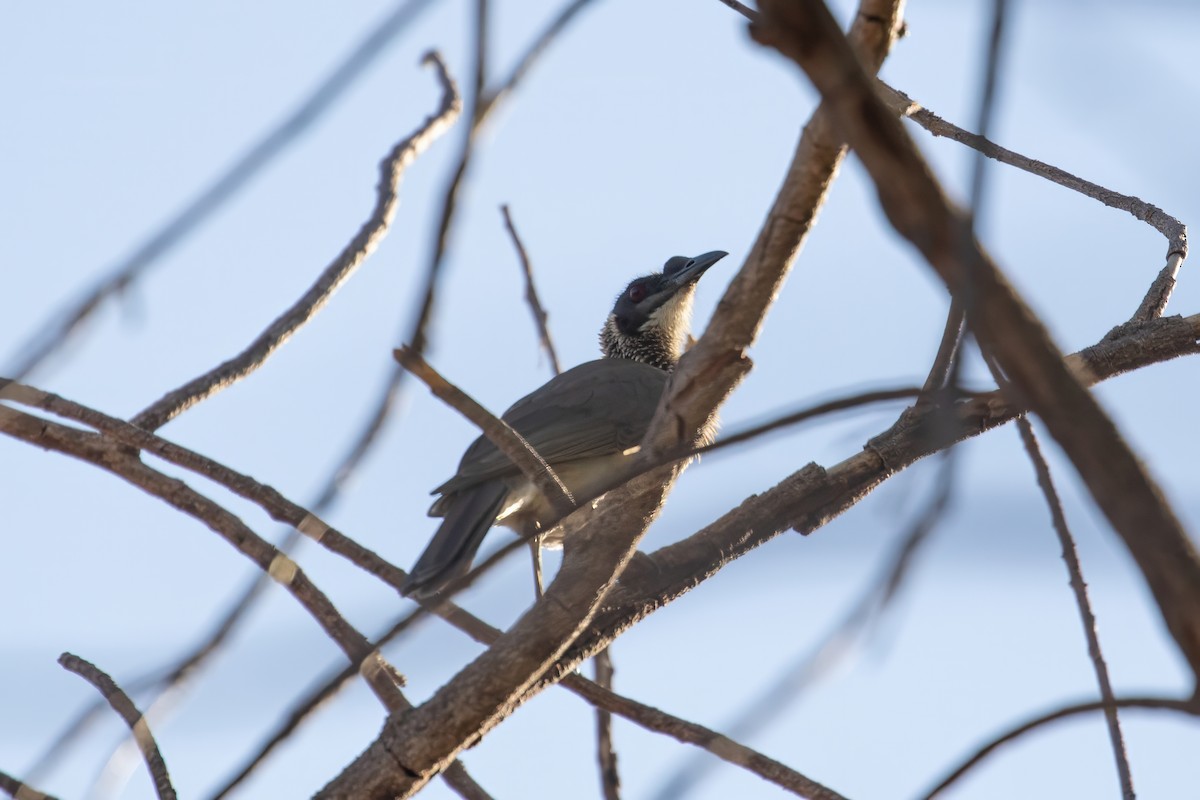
<point x="1086" y="615"/>
<point x="1170" y="227"/>
<point x="744" y="10"/>
<point x="21" y="791"/>
<point x="56" y="331"/>
<point x="121" y="703"/>
<point x="1188" y="706"/>
<point x="498" y="432"/>
<point x="606" y="755"/>
<point x="352" y="256"/>
<point x="531" y="295"/>
<point x="1155" y="301"/>
<point x="687" y="732"/>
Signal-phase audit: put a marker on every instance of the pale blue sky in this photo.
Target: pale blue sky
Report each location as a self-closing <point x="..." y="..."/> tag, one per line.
<point x="650" y="129"/>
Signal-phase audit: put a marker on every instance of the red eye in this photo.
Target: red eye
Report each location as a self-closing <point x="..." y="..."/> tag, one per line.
<point x="637" y="293"/>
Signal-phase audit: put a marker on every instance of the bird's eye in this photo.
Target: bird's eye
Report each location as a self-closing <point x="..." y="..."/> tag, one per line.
<point x="637" y="292"/>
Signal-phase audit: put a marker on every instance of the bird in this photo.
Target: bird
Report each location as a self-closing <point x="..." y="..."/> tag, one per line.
<point x="584" y="423"/>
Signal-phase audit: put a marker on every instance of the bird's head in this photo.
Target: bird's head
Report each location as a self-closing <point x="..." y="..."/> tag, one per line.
<point x="650" y="319"/>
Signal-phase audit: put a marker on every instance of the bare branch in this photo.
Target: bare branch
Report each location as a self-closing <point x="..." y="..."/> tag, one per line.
<point x="531" y="295"/>
<point x="1079" y="588"/>
<point x="1001" y="321"/>
<point x="1171" y="228"/>
<point x="357" y="251"/>
<point x="690" y="733"/>
<point x="121" y="461"/>
<point x="121" y="703"/>
<point x="498" y="432"/>
<point x="1155" y="302"/>
<point x="606" y="755"/>
<point x="21" y="791"/>
<point x="1189" y="707"/>
<point x="57" y="331"/>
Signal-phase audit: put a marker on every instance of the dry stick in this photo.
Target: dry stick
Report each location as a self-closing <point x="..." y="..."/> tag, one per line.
<point x="498" y="432"/>
<point x="1188" y="706"/>
<point x="21" y="791"/>
<point x="531" y="295"/>
<point x="55" y="332"/>
<point x="1086" y="616"/>
<point x="413" y="746"/>
<point x="1155" y="301"/>
<point x="606" y="755"/>
<point x="690" y="733"/>
<point x="1003" y="324"/>
<point x="119" y="460"/>
<point x="121" y="703"/>
<point x="352" y="256"/>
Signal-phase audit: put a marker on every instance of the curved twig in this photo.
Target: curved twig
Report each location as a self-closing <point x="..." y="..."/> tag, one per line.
<point x="121" y="703"/>
<point x="353" y="255"/>
<point x="1189" y="707"/>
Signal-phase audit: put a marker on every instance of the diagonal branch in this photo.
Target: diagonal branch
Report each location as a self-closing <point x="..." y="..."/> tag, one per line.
<point x="20" y="790"/>
<point x="121" y="703"/>
<point x="1175" y="232"/>
<point x="1003" y="324"/>
<point x="124" y="463"/>
<point x="357" y="251"/>
<point x="531" y="295"/>
<point x="507" y="440"/>
<point x="1086" y="616"/>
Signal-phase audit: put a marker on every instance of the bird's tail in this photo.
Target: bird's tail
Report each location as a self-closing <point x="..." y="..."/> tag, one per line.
<point x="449" y="553"/>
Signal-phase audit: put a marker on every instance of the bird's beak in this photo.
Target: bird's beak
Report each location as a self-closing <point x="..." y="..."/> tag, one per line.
<point x="695" y="267"/>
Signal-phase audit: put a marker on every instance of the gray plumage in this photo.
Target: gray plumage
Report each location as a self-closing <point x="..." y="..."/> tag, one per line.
<point x="583" y="423"/>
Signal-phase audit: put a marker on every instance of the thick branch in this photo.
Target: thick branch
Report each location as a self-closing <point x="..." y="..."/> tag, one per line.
<point x="814" y="496"/>
<point x="1003" y="324"/>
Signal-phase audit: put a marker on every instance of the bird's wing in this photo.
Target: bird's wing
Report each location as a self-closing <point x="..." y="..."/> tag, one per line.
<point x="595" y="409"/>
